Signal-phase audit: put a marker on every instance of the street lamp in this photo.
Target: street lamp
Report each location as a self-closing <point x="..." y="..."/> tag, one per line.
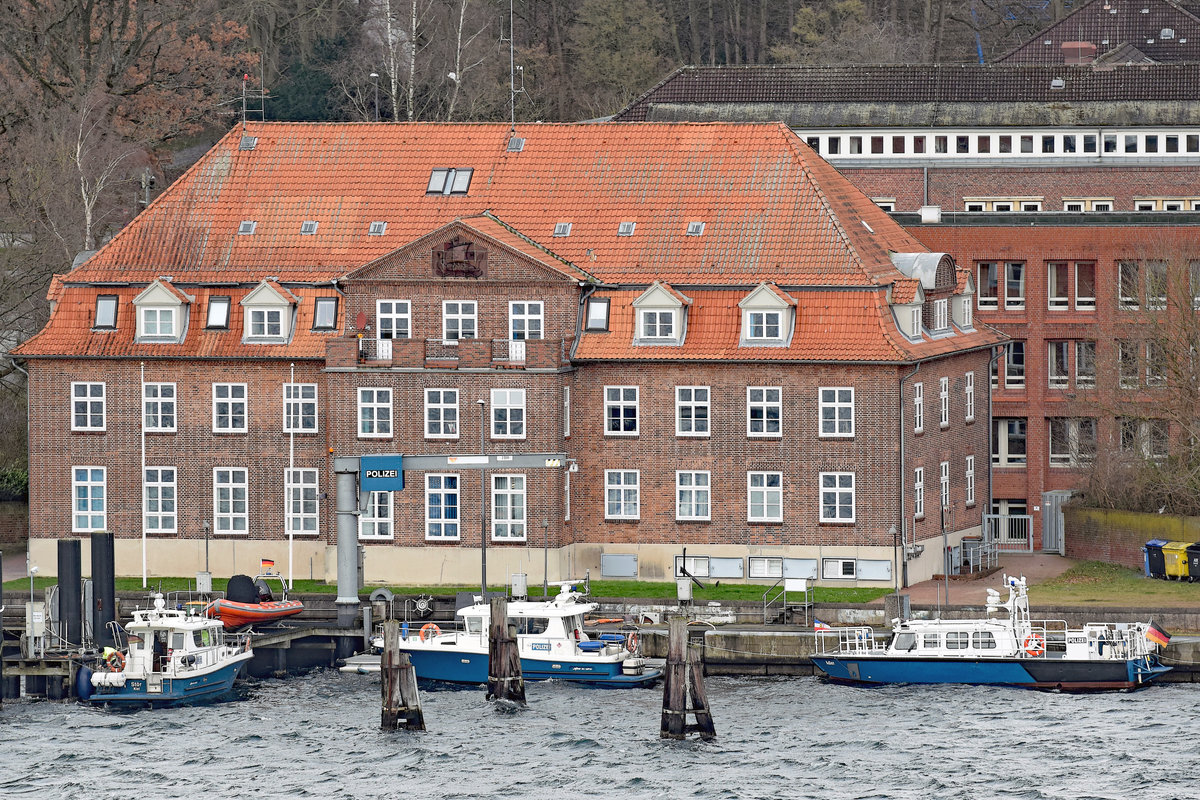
<point x="375" y="80"/>
<point x="545" y="557"/>
<point x="483" y="497"/>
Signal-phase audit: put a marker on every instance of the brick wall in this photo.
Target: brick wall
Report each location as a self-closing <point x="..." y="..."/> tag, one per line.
<point x="1095" y="534"/>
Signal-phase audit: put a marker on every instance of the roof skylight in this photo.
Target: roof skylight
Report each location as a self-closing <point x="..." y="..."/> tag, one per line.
<point x="695" y="228"/>
<point x="449" y="181"/>
<point x="377" y="228"/>
<point x="562" y="229"/>
<point x="308" y="227"/>
<point x="247" y="227"/>
<point x="626" y="228"/>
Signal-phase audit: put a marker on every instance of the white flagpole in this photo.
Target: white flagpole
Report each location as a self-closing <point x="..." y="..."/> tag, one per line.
<point x="142" y="477"/>
<point x="291" y="477"/>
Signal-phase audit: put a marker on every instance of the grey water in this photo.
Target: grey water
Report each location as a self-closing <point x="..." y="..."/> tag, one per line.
<point x="317" y="735"/>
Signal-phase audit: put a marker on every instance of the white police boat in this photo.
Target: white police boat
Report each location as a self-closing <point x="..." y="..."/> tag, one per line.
<point x="550" y="639"/>
<point x="1017" y="651"/>
<point x="175" y="656"/>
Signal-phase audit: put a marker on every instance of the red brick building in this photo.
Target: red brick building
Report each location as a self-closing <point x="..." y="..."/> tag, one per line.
<point x="737" y="351"/>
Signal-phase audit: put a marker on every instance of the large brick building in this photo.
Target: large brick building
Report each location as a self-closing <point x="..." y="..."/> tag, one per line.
<point x="736" y="350"/>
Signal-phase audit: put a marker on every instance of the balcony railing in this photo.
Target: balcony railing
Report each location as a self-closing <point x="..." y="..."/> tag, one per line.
<point x="456" y="352"/>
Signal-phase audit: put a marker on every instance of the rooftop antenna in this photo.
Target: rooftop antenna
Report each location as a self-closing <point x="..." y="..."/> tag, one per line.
<point x="249" y="95"/>
<point x="513" y="71"/>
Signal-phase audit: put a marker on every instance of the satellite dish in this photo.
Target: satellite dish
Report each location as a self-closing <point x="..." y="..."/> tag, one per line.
<point x="360" y="322"/>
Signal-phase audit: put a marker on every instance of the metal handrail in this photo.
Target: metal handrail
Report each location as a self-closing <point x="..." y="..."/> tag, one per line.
<point x="768" y="603"/>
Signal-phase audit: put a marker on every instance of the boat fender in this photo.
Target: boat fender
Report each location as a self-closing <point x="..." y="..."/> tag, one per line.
<point x="430" y="629"/>
<point x="1034" y="645"/>
<point x="116" y="661"/>
<point x="404" y="631"/>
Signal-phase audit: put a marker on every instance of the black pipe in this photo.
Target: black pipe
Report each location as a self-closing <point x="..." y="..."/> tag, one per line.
<point x="70" y="591"/>
<point x="104" y="589"/>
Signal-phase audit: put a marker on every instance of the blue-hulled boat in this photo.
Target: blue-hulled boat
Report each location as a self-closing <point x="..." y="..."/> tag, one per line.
<point x="1017" y="651"/>
<point x="174" y="657"/>
<point x="550" y="639"/>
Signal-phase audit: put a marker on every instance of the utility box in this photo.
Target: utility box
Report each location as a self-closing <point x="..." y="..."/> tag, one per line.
<point x="204" y="582"/>
<point x="683" y="589"/>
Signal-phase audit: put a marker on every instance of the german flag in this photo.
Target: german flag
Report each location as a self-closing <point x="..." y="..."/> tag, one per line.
<point x="267" y="563"/>
<point x="1157" y="635"/>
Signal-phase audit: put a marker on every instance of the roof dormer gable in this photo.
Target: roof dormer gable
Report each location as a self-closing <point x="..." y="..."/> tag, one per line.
<point x="660" y="315"/>
<point x="768" y="317"/>
<point x="269" y="314"/>
<point x="934" y="270"/>
<point x="906" y="297"/>
<point x="161" y="311"/>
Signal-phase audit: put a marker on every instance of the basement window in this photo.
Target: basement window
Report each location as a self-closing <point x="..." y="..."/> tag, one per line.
<point x="446" y="181"/>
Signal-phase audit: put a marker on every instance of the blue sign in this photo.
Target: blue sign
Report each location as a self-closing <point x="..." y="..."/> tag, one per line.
<point x="381" y="473"/>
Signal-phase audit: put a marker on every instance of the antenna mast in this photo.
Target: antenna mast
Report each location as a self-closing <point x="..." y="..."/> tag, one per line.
<point x="513" y="69"/>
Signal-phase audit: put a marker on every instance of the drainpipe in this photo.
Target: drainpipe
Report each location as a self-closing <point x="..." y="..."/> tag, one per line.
<point x="925" y="185"/>
<point x="992" y="428"/>
<point x="903" y="478"/>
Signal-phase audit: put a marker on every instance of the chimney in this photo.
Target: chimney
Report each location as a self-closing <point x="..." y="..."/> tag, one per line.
<point x="1076" y="53"/>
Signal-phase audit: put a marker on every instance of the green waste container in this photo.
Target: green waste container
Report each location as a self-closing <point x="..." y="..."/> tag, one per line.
<point x="1176" y="559"/>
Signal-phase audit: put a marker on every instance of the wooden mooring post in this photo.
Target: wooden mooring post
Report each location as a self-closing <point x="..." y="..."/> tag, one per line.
<point x="683" y="671"/>
<point x="398" y="681"/>
<point x="505" y="680"/>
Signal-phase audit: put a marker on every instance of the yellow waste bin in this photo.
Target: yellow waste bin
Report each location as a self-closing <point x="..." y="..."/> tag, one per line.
<point x="1176" y="558"/>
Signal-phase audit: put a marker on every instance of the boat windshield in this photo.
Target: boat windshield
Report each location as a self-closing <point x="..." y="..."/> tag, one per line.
<point x="203" y="637"/>
<point x="526" y="626"/>
<point x="905" y="641"/>
<point x="474" y="625"/>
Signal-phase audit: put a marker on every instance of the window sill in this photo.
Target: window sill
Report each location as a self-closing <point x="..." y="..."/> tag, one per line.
<point x="778" y="521"/>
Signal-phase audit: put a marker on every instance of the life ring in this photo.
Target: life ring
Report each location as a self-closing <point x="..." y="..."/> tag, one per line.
<point x="1034" y="645"/>
<point x="631" y="642"/>
<point x="116" y="661"/>
<point x="429" y="629"/>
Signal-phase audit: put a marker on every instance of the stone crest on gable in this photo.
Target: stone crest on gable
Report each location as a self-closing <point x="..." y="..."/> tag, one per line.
<point x="459" y="259"/>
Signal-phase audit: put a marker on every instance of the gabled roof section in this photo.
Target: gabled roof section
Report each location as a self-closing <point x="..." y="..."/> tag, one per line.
<point x="771" y="208"/>
<point x="269" y="293"/>
<point x="767" y="294"/>
<point x="905" y="292"/>
<point x="162" y="292"/>
<point x="1108" y="24"/>
<point x="660" y="294"/>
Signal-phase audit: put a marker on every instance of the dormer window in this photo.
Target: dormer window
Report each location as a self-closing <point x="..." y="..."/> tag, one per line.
<point x="218" y="312"/>
<point x="446" y="181"/>
<point x="562" y="229"/>
<point x="597" y="314"/>
<point x="764" y="325"/>
<point x="247" y="227"/>
<point x="657" y="324"/>
<point x="767" y="315"/>
<point x="941" y="314"/>
<point x="160" y="313"/>
<point x="659" y="317"/>
<point x="695" y="229"/>
<point x="626" y="228"/>
<point x="325" y="313"/>
<point x="965" y="320"/>
<point x="378" y="228"/>
<point x="268" y="314"/>
<point x="265" y="323"/>
<point x="157" y="322"/>
<point x="915" y="323"/>
<point x="106" y="312"/>
<point x="308" y="227"/>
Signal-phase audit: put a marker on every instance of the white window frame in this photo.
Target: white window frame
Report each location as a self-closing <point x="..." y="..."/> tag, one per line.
<point x="160" y="500"/>
<point x="89" y="498"/>
<point x="265" y="322"/>
<point x="764" y="406"/>
<point x="300" y="408"/>
<point x="509" y="507"/>
<point x="987" y="270"/>
<point x="622" y="492"/>
<point x="377" y="426"/>
<point x="393" y="319"/>
<point x="969" y="396"/>
<point x="969" y="480"/>
<point x="232" y="397"/>
<point x="1085" y="379"/>
<point x="566" y="411"/>
<point x="1002" y="457"/>
<point x="693" y="411"/>
<point x="944" y="403"/>
<point x="764" y="325"/>
<point x="441" y="413"/>
<point x="89" y="402"/>
<point x="456" y="311"/>
<point x="918" y="407"/>
<point x="1057" y="297"/>
<point x="378" y="523"/>
<point x="919" y="493"/>
<point x="941" y="314"/>
<point x="159" y="408"/>
<point x="1078" y="451"/>
<point x="836" y="408"/>
<point x="944" y="483"/>
<point x="764" y="496"/>
<point x="1058" y="375"/>
<point x="693" y="495"/>
<point x="231" y="513"/>
<point x="1014" y="372"/>
<point x="1014" y="302"/>
<point x="217" y="317"/>
<point x="968" y="311"/>
<point x="652" y="322"/>
<point x="449" y="516"/>
<point x="525" y="320"/>
<point x="834" y="569"/>
<point x="1085" y="302"/>
<point x="302" y="508"/>
<point x="508" y="414"/>
<point x="616" y="400"/>
<point x="834" y="488"/>
<point x="158" y="322"/>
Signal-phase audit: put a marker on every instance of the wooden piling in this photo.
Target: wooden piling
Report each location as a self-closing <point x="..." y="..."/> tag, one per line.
<point x="505" y="680"/>
<point x="398" y="683"/>
<point x="682" y="668"/>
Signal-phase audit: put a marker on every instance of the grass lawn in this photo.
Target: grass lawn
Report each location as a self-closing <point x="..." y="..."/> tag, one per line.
<point x="606" y="589"/>
<point x="1101" y="584"/>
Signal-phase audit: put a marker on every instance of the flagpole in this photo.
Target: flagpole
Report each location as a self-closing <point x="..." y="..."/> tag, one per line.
<point x="142" y="478"/>
<point x="291" y="476"/>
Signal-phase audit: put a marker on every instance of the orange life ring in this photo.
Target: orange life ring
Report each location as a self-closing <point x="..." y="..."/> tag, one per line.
<point x="429" y="629"/>
<point x="116" y="661"/>
<point x="1034" y="645"/>
<point x="631" y="642"/>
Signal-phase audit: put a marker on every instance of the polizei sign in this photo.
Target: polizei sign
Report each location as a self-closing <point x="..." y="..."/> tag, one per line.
<point x="382" y="474"/>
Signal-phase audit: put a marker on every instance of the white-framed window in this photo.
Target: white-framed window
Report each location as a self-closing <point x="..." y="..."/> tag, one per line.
<point x="374" y="413"/>
<point x="969" y="397"/>
<point x="622" y="494"/>
<point x="915" y="321"/>
<point x="1014" y="285"/>
<point x="836" y="407"/>
<point x="692" y="495"/>
<point x="524" y="320"/>
<point x="764" y="325"/>
<point x="562" y="229"/>
<point x="300" y="407"/>
<point x="837" y="497"/>
<point x="1128" y="285"/>
<point x="218" y="312"/>
<point x="1085" y="364"/>
<point x="377" y="228"/>
<point x="159" y="493"/>
<point x="987" y="286"/>
<point x="158" y="407"/>
<point x="1057" y="281"/>
<point x="88" y="406"/>
<point x="969" y="480"/>
<point x="441" y="413"/>
<point x="944" y="483"/>
<point x="919" y="493"/>
<point x="230" y="493"/>
<point x="441" y="506"/>
<point x="450" y="180"/>
<point x="941" y="314"/>
<point x="1072" y="441"/>
<point x="566" y="400"/>
<point x="1156" y="285"/>
<point x="308" y="227"/>
<point x="944" y="402"/>
<point x="1127" y="364"/>
<point x="838" y="569"/>
<point x="229" y="407"/>
<point x="918" y="407"/>
<point x="691" y="411"/>
<point x="620" y="411"/>
<point x="157" y="322"/>
<point x="968" y="311"/>
<point x="1008" y="441"/>
<point x="1149" y="438"/>
<point x="764" y="411"/>
<point x="508" y="507"/>
<point x="767" y="567"/>
<point x="508" y="413"/>
<point x="657" y="323"/>
<point x="300" y="491"/>
<point x="106" y="312"/>
<point x="1014" y="366"/>
<point x="1085" y="286"/>
<point x="692" y="566"/>
<point x="89" y="492"/>
<point x="764" y="496"/>
<point x="597" y="314"/>
<point x="1057" y="370"/>
<point x="458" y="319"/>
<point x="265" y="323"/>
<point x="393" y="319"/>
<point x="378" y="522"/>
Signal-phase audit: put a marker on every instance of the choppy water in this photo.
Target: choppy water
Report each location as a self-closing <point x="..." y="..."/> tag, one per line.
<point x="317" y="736"/>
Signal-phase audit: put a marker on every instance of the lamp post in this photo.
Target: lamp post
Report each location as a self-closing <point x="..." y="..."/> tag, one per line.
<point x="375" y="80"/>
<point x="545" y="557"/>
<point x="204" y="524"/>
<point x="483" y="497"/>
